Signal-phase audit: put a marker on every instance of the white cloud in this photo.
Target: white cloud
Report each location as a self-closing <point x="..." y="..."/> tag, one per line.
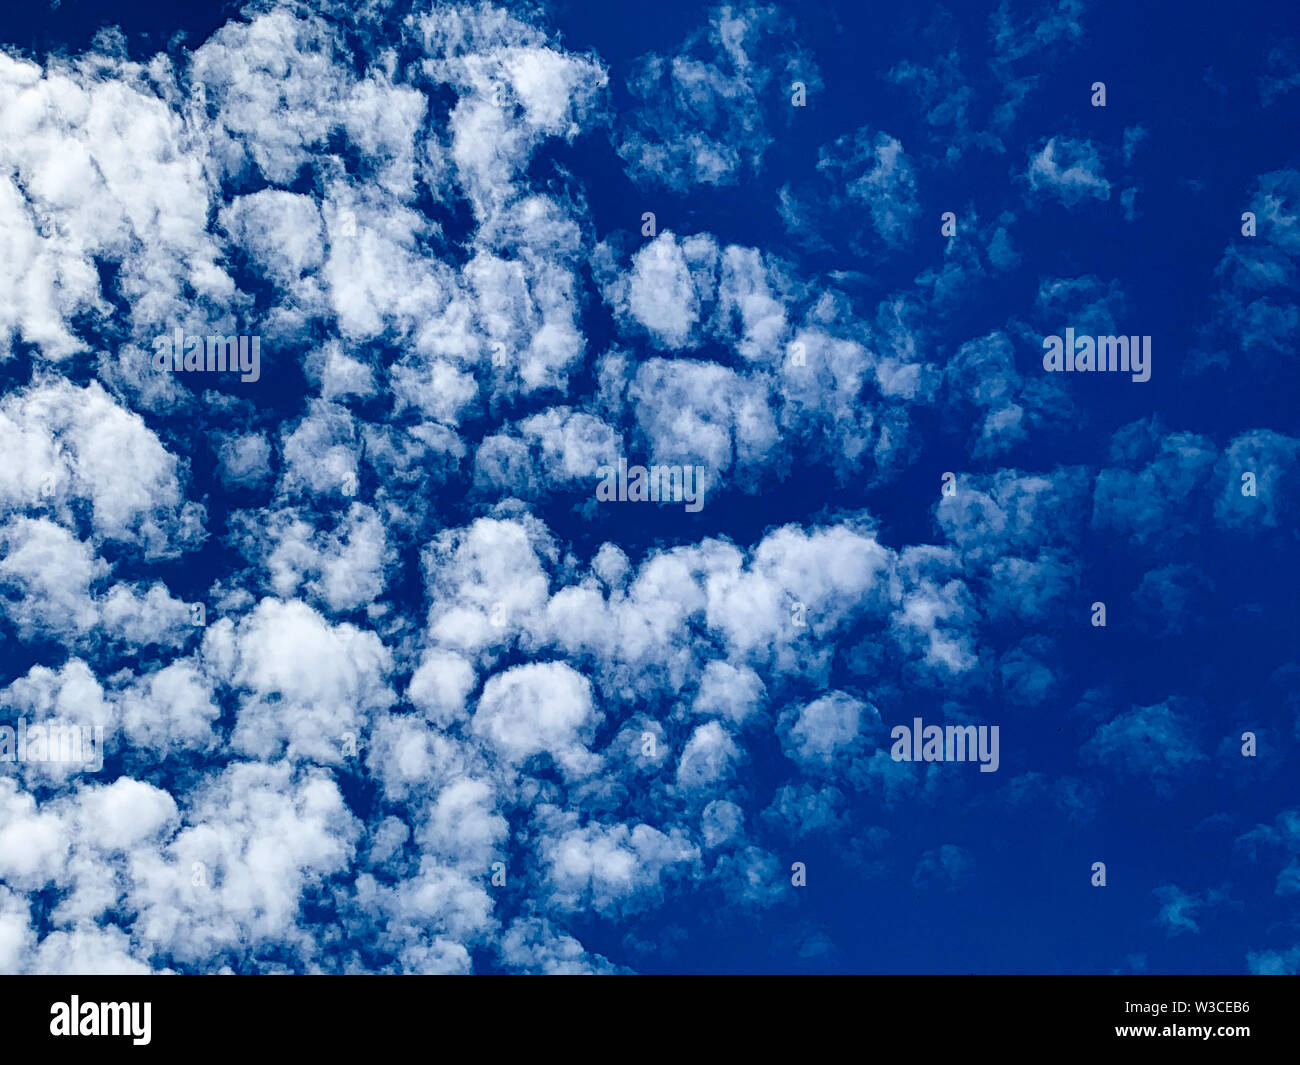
<point x="1068" y="169"/>
<point x="303" y="684"/>
<point x="611" y="868"/>
<point x="541" y="708"/>
<point x="701" y="118"/>
<point x="708" y="758"/>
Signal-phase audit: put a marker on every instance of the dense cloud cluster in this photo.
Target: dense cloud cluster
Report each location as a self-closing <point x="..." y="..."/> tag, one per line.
<point x="379" y="689"/>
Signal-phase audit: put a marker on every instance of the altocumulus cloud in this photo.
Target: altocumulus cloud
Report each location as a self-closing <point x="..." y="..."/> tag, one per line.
<point x="383" y="688"/>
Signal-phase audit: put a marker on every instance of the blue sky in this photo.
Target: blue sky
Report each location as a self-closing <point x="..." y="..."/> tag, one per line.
<point x="385" y="686"/>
